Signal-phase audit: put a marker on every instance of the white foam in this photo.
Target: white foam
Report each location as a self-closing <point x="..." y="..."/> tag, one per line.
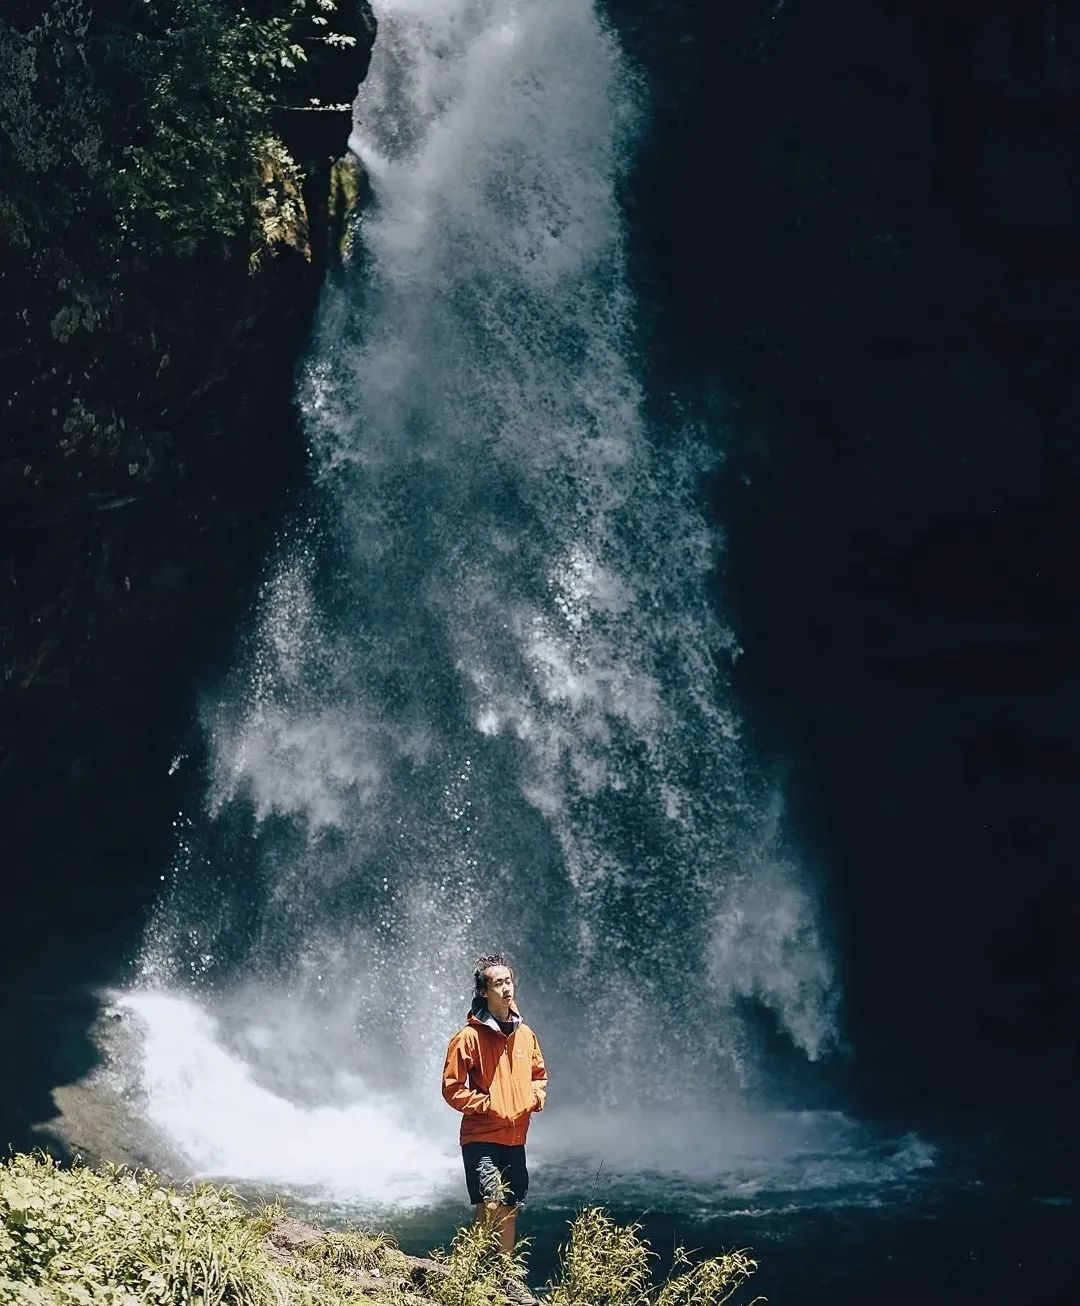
<point x="376" y="1150"/>
<point x="209" y="1105"/>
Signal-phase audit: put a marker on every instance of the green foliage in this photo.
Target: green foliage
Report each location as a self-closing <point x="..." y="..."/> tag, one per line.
<point x="602" y="1263"/>
<point x="705" y="1283"/>
<point x="356" y="1249"/>
<point x="82" y="1237"/>
<point x="267" y="1216"/>
<point x="606" y="1264"/>
<point x="109" y="1237"/>
<point x="151" y="126"/>
<point x="281" y="218"/>
<point x="201" y="75"/>
<point x="474" y="1271"/>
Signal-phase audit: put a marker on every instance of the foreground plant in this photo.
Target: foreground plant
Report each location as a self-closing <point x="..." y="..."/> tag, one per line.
<point x="473" y="1271"/>
<point x="607" y="1264"/>
<point x="108" y="1237"/>
<point x="117" y="1239"/>
<point x="82" y="1237"/>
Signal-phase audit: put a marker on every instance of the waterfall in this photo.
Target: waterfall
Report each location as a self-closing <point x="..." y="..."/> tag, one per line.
<point x="484" y="699"/>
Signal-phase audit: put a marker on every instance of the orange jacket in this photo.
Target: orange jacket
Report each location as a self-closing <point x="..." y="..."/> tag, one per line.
<point x="495" y="1080"/>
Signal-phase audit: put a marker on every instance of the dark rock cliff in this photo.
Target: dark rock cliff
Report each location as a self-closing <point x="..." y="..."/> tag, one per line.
<point x="875" y="284"/>
<point x="148" y="439"/>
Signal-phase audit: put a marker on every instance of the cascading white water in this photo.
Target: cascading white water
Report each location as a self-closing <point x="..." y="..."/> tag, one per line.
<point x="484" y="703"/>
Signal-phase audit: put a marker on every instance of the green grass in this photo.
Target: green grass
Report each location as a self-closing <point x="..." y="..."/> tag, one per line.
<point x="357" y="1249"/>
<point x="109" y="1237"/>
<point x="608" y="1264"/>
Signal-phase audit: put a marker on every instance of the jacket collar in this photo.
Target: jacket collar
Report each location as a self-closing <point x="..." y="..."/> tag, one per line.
<point x="479" y="1015"/>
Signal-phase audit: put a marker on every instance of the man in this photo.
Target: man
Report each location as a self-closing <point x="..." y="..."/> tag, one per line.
<point x="495" y="1076"/>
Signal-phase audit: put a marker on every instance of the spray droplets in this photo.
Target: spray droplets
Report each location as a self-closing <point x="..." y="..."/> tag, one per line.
<point x="484" y="696"/>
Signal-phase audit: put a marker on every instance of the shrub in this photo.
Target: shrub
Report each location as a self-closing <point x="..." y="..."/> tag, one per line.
<point x="110" y="1238"/>
<point x="150" y="122"/>
<point x="356" y="1249"/>
<point x="473" y="1272"/>
<point x="602" y="1264"/>
<point x="706" y="1283"/>
<point x="607" y="1264"/>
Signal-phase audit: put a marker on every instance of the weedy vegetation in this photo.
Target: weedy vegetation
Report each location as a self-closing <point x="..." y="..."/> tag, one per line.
<point x="150" y="150"/>
<point x="109" y="1237"/>
<point x="608" y="1264"/>
<point x="357" y="1249"/>
<point x="473" y="1271"/>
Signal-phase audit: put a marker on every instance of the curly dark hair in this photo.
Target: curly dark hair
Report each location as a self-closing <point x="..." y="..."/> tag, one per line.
<point x="485" y="963"/>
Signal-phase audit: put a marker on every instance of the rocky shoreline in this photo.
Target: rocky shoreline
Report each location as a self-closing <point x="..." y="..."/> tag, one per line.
<point x="289" y="1239"/>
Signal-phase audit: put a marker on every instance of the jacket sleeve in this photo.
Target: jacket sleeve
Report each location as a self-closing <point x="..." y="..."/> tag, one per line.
<point x="539" y="1075"/>
<point x="455" y="1079"/>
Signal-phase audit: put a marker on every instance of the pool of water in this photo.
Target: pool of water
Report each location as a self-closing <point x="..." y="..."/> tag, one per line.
<point x="977" y="1218"/>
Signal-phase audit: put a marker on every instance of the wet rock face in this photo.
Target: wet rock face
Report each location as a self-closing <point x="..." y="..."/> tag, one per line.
<point x="125" y="554"/>
<point x="315" y="128"/>
<point x="876" y="276"/>
<point x="147" y="440"/>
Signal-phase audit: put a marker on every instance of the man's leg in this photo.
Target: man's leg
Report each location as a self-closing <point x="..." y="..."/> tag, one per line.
<point x="490" y="1191"/>
<point x="498" y="1184"/>
<point x="503" y="1219"/>
<point x="506" y="1220"/>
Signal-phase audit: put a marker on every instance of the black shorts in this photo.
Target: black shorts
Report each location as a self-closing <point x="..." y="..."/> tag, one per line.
<point x="495" y="1172"/>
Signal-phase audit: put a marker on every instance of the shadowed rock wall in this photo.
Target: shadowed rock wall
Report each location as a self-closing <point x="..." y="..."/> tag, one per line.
<point x="148" y="441"/>
<point x="864" y="247"/>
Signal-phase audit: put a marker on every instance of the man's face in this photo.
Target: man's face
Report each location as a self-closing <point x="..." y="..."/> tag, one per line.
<point x="499" y="983"/>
